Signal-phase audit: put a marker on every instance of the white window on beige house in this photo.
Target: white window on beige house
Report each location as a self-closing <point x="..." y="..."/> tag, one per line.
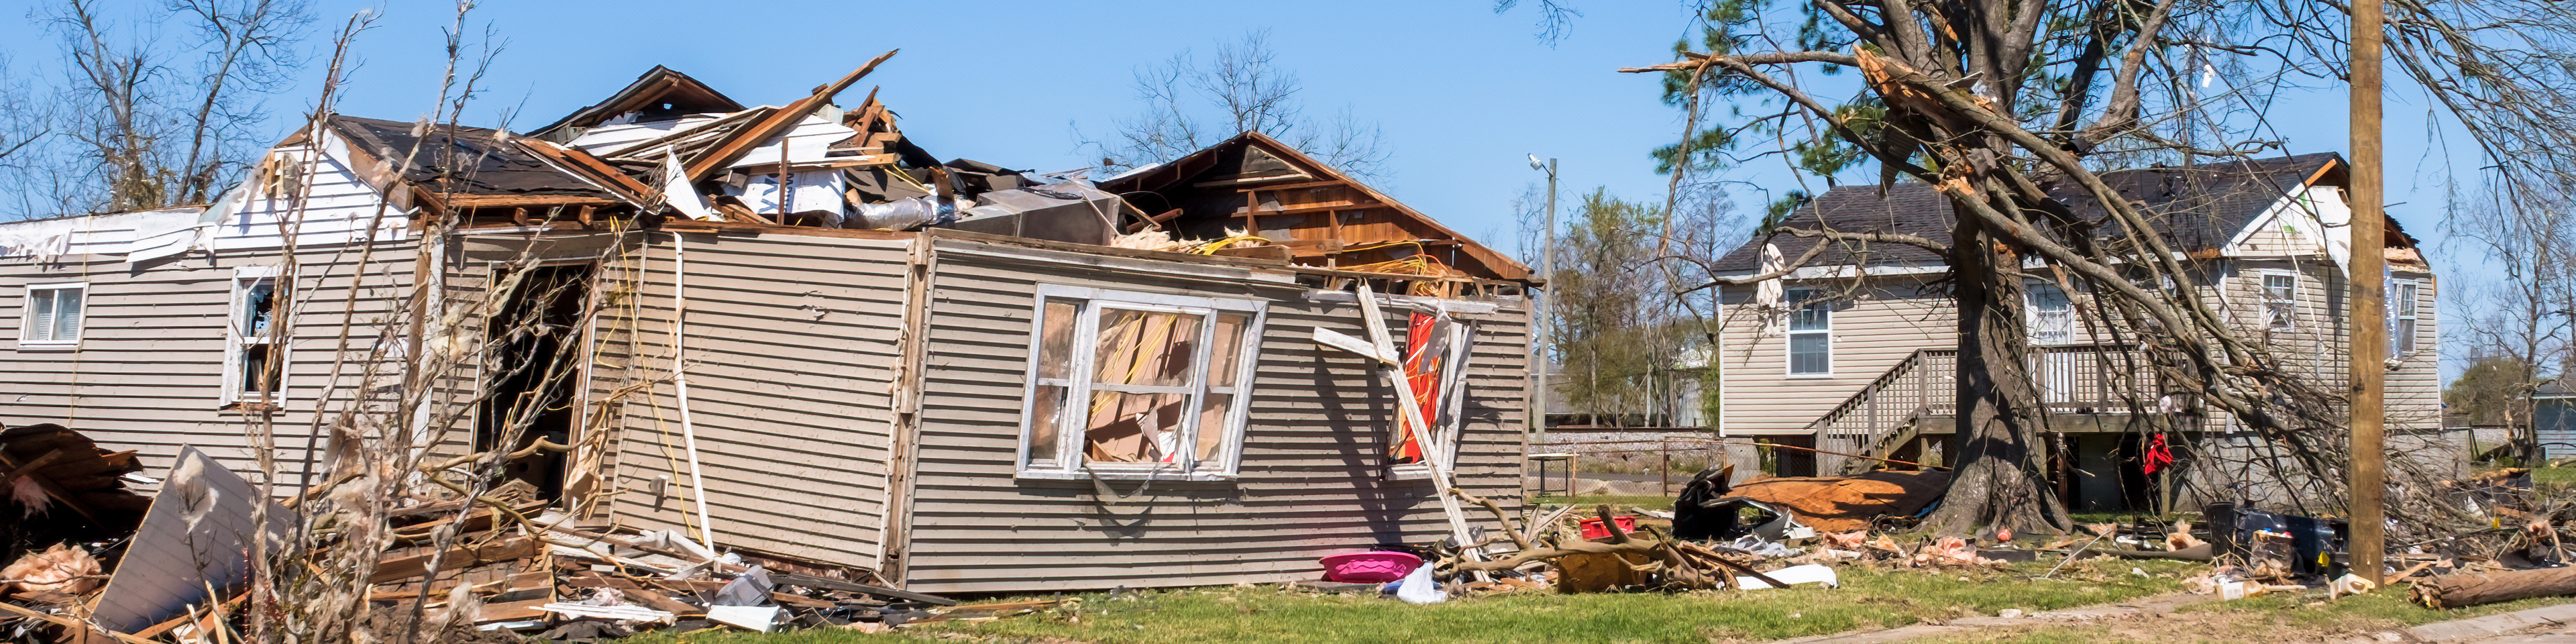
<point x="2280" y="301"/>
<point x="2050" y="314"/>
<point x="1811" y="333"/>
<point x="1136" y="384"/>
<point x="54" y="313"/>
<point x="2403" y="308"/>
<point x="253" y="356"/>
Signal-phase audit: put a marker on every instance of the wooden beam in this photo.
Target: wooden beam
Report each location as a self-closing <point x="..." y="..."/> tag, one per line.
<point x="1327" y="183"/>
<point x="739" y="142"/>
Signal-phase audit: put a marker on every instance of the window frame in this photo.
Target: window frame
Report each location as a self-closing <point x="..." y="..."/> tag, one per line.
<point x="2031" y="314"/>
<point x="2404" y="316"/>
<point x="2288" y="320"/>
<point x="1794" y="300"/>
<point x="237" y="340"/>
<point x="1068" y="461"/>
<point x="27" y="316"/>
<point x="1450" y="428"/>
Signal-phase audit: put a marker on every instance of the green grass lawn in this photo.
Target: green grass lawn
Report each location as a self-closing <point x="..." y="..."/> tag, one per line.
<point x="1264" y="614"/>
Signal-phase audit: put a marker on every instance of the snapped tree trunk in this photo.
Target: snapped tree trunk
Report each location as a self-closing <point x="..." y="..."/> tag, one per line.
<point x="2001" y="477"/>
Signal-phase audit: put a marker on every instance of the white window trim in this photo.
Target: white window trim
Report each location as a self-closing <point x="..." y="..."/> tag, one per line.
<point x="27" y="316"/>
<point x="2030" y="314"/>
<point x="235" y="344"/>
<point x="2405" y="309"/>
<point x="1068" y="459"/>
<point x="2263" y="298"/>
<point x="1789" y="333"/>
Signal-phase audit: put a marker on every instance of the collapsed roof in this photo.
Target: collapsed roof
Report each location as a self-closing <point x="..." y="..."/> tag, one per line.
<point x="668" y="145"/>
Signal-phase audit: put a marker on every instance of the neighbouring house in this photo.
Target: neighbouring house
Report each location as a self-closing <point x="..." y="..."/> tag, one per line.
<point x="1854" y="351"/>
<point x="794" y="332"/>
<point x="2553" y="421"/>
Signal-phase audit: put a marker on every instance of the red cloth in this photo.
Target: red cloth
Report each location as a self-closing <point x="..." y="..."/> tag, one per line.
<point x="1422" y="374"/>
<point x="2159" y="454"/>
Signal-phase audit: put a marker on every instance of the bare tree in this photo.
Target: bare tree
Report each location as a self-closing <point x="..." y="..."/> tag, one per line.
<point x="153" y="119"/>
<point x="2013" y="109"/>
<point x="2519" y="331"/>
<point x="1193" y="102"/>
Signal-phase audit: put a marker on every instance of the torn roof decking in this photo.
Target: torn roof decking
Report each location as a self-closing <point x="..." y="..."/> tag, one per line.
<point x="1323" y="217"/>
<point x="660" y="94"/>
<point x="2197" y="209"/>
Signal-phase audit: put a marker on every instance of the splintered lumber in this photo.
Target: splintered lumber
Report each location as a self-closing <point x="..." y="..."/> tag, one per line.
<point x="741" y="141"/>
<point x="401" y="568"/>
<point x="810" y="581"/>
<point x="2471" y="589"/>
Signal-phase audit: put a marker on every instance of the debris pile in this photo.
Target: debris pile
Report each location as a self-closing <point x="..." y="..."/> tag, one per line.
<point x="179" y="569"/>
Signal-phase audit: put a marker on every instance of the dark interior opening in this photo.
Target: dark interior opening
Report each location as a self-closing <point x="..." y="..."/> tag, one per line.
<point x="534" y="371"/>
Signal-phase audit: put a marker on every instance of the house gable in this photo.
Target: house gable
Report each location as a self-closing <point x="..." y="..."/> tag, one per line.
<point x="1321" y="216"/>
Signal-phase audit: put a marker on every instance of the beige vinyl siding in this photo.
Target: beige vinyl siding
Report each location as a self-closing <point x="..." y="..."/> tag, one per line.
<point x="148" y="373"/>
<point x="790" y="352"/>
<point x="1310" y="481"/>
<point x="1875" y="327"/>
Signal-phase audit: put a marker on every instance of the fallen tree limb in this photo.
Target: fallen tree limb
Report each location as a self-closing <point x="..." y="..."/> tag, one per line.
<point x="2471" y="589"/>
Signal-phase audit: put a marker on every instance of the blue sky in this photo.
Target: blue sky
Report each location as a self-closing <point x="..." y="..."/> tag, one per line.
<point x="1461" y="92"/>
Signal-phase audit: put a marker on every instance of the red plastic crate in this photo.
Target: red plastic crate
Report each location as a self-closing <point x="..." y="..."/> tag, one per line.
<point x="1592" y="528"/>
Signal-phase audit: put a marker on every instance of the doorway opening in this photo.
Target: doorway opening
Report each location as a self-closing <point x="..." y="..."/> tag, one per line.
<point x="534" y="372"/>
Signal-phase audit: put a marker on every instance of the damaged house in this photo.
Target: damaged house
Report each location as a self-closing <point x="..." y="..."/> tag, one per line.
<point x="1854" y="352"/>
<point x="790" y="330"/>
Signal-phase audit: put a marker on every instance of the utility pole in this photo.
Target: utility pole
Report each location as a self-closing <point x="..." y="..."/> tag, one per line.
<point x="1546" y="312"/>
<point x="2369" y="346"/>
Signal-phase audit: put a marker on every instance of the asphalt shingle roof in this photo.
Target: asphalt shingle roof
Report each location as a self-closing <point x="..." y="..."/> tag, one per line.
<point x="2197" y="207"/>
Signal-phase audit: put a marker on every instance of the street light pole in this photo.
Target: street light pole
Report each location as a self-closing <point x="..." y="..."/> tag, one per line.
<point x="1547" y="310"/>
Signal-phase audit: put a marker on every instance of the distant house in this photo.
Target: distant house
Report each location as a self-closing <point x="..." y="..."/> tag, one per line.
<point x="793" y="331"/>
<point x="1854" y="352"/>
<point x="2553" y="419"/>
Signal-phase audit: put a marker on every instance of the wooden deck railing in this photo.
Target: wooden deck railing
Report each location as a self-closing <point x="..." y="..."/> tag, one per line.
<point x="2074" y="379"/>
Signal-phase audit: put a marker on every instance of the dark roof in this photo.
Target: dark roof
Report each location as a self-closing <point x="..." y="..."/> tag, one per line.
<point x="462" y="160"/>
<point x="2197" y="207"/>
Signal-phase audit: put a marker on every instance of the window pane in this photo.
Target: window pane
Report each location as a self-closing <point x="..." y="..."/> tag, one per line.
<point x="256" y="300"/>
<point x="1133" y="428"/>
<point x="1225" y="355"/>
<point x="1810" y="353"/>
<point x="1055" y="339"/>
<point x="257" y="376"/>
<point x="1212" y="423"/>
<point x="67" y="314"/>
<point x="2405" y="340"/>
<point x="1810" y="310"/>
<point x="1046" y="414"/>
<point x="40" y="316"/>
<point x="1154" y="348"/>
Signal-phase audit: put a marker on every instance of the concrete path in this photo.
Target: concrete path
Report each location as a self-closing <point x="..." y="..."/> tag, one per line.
<point x="2543" y="625"/>
<point x="2143" y="607"/>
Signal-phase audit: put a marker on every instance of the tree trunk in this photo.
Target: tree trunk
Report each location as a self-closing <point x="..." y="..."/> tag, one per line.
<point x="2001" y="477"/>
<point x="2468" y="589"/>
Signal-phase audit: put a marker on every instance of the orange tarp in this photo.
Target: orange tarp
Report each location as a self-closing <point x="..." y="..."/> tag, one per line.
<point x="1845" y="503"/>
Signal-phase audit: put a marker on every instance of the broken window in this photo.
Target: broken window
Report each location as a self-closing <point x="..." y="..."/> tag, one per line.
<point x="1137" y="381"/>
<point x="1435" y="352"/>
<point x="53" y="314"/>
<point x="252" y="355"/>
<point x="2402" y="310"/>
